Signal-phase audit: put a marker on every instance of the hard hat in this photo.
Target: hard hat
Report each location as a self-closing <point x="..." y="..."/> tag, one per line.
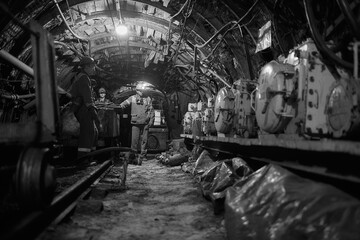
<point x="102" y="90"/>
<point x="87" y="61"/>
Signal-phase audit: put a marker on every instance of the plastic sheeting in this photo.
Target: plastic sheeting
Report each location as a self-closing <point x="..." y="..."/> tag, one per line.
<point x="203" y="162"/>
<point x="219" y="176"/>
<point x="274" y="203"/>
<point x="223" y="174"/>
<point x="70" y="125"/>
<point x="195" y="153"/>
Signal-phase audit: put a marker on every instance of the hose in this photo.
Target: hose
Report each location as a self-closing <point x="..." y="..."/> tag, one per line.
<point x="105" y="150"/>
<point x="318" y="39"/>
<point x="346" y="10"/>
<point x="69" y="47"/>
<point x="67" y="25"/>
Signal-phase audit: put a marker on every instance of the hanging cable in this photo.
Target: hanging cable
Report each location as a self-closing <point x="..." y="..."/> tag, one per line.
<point x="67" y="25"/>
<point x="320" y="43"/>
<point x="180" y="40"/>
<point x="251" y="36"/>
<point x="71" y="17"/>
<point x="172" y="17"/>
<point x="69" y="47"/>
<point x="73" y="23"/>
<point x="120" y="16"/>
<point x="186" y="16"/>
<point x="6" y="10"/>
<point x="246" y="50"/>
<point x="127" y="40"/>
<point x="112" y="19"/>
<point x="234" y="23"/>
<point x="220" y="78"/>
<point x="232" y="28"/>
<point x="346" y="10"/>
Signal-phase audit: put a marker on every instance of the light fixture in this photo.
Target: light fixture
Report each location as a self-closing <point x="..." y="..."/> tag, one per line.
<point x="143" y="85"/>
<point x="121" y="30"/>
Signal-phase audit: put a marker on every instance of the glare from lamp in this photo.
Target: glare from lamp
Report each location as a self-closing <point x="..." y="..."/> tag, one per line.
<point x="143" y="85"/>
<point x="121" y="30"/>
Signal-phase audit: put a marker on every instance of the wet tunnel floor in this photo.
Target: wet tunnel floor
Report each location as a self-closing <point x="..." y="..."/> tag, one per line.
<point x="160" y="203"/>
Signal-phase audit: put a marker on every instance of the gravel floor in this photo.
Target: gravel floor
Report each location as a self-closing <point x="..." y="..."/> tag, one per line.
<point x="160" y="203"/>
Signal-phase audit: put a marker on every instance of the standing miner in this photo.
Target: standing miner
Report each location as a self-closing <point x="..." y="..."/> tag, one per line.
<point x="84" y="108"/>
<point x="102" y="96"/>
<point x="142" y="117"/>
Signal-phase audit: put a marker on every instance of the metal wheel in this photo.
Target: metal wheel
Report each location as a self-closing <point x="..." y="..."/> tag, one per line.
<point x="35" y="179"/>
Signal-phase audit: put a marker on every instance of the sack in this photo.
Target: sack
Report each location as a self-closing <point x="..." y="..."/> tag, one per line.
<point x="76" y="104"/>
<point x="70" y="125"/>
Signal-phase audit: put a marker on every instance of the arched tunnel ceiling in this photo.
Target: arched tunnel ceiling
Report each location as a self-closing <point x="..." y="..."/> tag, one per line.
<point x="163" y="36"/>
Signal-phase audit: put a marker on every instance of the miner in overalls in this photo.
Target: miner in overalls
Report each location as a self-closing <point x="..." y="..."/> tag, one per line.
<point x="142" y="117"/>
<point x="84" y="108"/>
<point x="102" y="96"/>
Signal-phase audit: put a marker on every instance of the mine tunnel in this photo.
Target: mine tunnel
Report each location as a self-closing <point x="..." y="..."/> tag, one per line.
<point x="179" y="119"/>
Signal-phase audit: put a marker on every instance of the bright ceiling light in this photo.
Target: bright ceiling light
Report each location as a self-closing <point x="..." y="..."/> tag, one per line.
<point x="121" y="30"/>
<point x="143" y="85"/>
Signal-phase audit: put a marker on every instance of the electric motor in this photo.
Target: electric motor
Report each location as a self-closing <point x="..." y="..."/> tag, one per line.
<point x="272" y="110"/>
<point x="244" y="119"/>
<point x="303" y="96"/>
<point x="224" y="110"/>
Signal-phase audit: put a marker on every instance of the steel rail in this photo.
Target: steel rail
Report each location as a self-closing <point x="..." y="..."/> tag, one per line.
<point x="34" y="223"/>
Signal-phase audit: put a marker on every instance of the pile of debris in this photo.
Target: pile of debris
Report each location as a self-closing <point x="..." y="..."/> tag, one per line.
<point x="176" y="155"/>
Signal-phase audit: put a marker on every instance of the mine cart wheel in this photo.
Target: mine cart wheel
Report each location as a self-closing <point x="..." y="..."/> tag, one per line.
<point x="35" y="179"/>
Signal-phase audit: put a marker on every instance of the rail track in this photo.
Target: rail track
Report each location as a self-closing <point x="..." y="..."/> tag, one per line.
<point x="28" y="225"/>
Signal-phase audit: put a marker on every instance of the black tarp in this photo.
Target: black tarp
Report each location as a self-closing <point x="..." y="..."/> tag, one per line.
<point x="219" y="176"/>
<point x="203" y="162"/>
<point x="273" y="203"/>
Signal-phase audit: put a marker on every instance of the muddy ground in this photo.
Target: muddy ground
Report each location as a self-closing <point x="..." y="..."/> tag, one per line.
<point x="160" y="203"/>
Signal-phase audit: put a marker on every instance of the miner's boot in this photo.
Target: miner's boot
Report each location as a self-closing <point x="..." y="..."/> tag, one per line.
<point x="139" y="160"/>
